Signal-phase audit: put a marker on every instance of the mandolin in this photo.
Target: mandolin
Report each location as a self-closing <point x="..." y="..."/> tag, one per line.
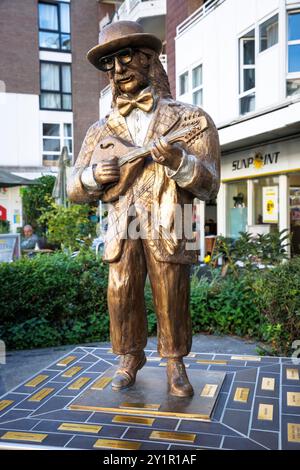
<point x="131" y="158"/>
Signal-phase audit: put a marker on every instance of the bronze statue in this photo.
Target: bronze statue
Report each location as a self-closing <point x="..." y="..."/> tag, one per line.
<point x="150" y="150"/>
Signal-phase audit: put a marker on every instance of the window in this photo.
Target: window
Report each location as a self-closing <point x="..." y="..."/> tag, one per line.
<point x="293" y="81"/>
<point x="56" y="86"/>
<point x="247" y="72"/>
<point x="266" y="201"/>
<point x="54" y="26"/>
<point x="268" y="33"/>
<point x="197" y="85"/>
<point x="55" y="137"/>
<point x="184" y="83"/>
<point x="191" y="85"/>
<point x="236" y="203"/>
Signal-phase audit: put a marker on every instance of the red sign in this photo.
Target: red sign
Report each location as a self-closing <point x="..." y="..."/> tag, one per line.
<point x="3" y="213"/>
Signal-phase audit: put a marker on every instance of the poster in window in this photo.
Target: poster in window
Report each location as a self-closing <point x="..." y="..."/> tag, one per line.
<point x="270" y="204"/>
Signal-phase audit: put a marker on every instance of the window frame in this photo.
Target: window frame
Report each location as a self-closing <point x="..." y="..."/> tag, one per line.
<point x="60" y="92"/>
<point x="260" y="24"/>
<point x="199" y="87"/>
<point x="58" y="31"/>
<point x="290" y="75"/>
<point x="252" y="91"/>
<point x="61" y="137"/>
<point x="188" y="95"/>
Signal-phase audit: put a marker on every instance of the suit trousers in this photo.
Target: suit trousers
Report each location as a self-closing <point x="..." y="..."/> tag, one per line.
<point x="170" y="288"/>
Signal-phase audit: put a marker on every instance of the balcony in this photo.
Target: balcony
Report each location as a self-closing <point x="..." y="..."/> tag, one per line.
<point x="136" y="10"/>
<point x="205" y="9"/>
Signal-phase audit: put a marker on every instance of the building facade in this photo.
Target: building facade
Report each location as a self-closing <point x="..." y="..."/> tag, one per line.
<point x="240" y="60"/>
<point x="49" y="95"/>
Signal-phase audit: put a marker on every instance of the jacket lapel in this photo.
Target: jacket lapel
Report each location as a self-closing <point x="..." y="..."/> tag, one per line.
<point x="164" y="119"/>
<point x="117" y="125"/>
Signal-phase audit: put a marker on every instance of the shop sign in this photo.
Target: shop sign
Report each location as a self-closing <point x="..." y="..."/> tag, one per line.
<point x="270" y="204"/>
<point x="258" y="161"/>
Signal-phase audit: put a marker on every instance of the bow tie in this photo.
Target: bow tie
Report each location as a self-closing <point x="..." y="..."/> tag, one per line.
<point x="144" y="102"/>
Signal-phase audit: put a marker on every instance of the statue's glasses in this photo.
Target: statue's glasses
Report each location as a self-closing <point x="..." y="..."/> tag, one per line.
<point x="124" y="57"/>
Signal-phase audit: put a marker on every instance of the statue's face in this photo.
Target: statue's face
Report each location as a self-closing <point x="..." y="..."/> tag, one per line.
<point x="130" y="73"/>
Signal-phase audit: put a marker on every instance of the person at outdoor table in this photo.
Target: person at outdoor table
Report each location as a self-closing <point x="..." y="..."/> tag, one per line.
<point x="30" y="239"/>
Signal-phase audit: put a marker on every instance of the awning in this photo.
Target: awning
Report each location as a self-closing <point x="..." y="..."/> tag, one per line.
<point x="9" y="180"/>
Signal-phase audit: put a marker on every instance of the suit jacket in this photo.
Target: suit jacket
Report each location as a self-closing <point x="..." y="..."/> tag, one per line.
<point x="155" y="183"/>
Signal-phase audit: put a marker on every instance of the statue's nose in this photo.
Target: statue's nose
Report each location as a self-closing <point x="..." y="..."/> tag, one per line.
<point x="118" y="66"/>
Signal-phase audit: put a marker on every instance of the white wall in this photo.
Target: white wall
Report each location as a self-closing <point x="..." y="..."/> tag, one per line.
<point x="19" y="130"/>
<point x="214" y="41"/>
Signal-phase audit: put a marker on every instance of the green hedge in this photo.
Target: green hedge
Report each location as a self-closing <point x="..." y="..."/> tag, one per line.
<point x="55" y="300"/>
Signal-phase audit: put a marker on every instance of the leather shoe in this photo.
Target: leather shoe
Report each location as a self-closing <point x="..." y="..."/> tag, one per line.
<point x="178" y="381"/>
<point x="128" y="367"/>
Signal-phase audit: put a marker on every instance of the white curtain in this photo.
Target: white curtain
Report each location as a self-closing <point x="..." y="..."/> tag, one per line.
<point x="50" y="77"/>
<point x="66" y="79"/>
<point x="48" y="16"/>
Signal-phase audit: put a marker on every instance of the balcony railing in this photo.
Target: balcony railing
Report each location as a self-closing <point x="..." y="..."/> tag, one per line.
<point x="135" y="9"/>
<point x="204" y="10"/>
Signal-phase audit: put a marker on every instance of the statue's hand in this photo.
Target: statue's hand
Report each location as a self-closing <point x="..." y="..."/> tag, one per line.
<point x="166" y="154"/>
<point x="107" y="171"/>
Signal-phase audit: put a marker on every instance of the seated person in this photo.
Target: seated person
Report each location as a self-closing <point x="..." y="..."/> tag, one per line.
<point x="30" y="239"/>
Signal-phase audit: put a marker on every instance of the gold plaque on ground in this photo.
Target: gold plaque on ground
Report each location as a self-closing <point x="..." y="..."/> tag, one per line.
<point x="212" y="361"/>
<point x="246" y="358"/>
<point x="293" y="432"/>
<point x="209" y="390"/>
<point x="101" y="383"/>
<point x="292" y="374"/>
<point x="120" y="445"/>
<point x="77" y="427"/>
<point x="71" y="372"/>
<point x="268" y="383"/>
<point x="293" y="398"/>
<point x="24" y="436"/>
<point x="39" y="396"/>
<point x="36" y="381"/>
<point x="4" y="404"/>
<point x="265" y="412"/>
<point x="149" y="396"/>
<point x="66" y="361"/>
<point x="164" y="364"/>
<point x="143" y="406"/>
<point x="241" y="394"/>
<point x="79" y="383"/>
<point x="133" y="420"/>
<point x="172" y="436"/>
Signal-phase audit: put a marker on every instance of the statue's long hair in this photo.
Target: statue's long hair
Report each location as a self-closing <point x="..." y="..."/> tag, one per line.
<point x="158" y="78"/>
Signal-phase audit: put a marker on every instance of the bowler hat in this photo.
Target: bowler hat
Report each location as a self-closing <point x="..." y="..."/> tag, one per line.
<point x="119" y="35"/>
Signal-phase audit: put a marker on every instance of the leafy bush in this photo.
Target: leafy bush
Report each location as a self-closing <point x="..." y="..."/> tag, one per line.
<point x="54" y="300"/>
<point x="4" y="226"/>
<point x="35" y="199"/>
<point x="66" y="226"/>
<point x="277" y="296"/>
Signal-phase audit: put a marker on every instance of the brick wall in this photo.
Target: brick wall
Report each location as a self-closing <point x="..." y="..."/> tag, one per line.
<point x="19" y="50"/>
<point x="177" y="11"/>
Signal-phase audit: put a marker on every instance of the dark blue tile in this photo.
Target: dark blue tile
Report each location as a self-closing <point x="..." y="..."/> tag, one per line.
<point x="246" y="375"/>
<point x="239" y="404"/>
<point x="266" y="424"/>
<point x="241" y="443"/>
<point x="268" y="393"/>
<point x="237" y="420"/>
<point x="54" y="403"/>
<point x="20" y="424"/>
<point x="267" y="439"/>
<point x="219" y="407"/>
<point x="206" y="428"/>
<point x="285" y="421"/>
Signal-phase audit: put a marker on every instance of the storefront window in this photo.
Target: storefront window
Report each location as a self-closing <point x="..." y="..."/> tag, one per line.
<point x="266" y="207"/>
<point x="236" y="208"/>
<point x="295" y="213"/>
